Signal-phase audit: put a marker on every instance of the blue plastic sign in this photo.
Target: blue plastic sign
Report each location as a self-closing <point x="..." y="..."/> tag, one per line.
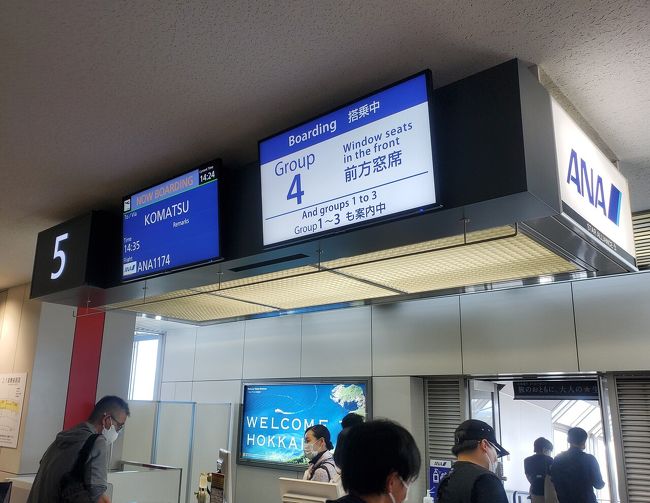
<point x="275" y="417"/>
<point x="365" y="161"/>
<point x="172" y="225"/>
<point x="438" y="469"/>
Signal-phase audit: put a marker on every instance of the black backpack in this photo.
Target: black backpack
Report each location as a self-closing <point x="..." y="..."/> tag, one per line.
<point x="72" y="488"/>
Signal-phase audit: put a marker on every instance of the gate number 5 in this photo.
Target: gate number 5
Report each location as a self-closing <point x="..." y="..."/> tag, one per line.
<point x="60" y="254"/>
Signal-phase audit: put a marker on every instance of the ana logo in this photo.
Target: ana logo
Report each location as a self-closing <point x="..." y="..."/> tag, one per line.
<point x="591" y="187"/>
<point x="129" y="268"/>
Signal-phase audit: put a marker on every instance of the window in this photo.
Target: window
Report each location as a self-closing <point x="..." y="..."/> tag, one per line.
<point x="144" y="365"/>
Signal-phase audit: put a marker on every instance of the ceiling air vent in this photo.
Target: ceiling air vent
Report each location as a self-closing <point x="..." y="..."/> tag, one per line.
<point x="641" y="223"/>
<point x="267" y="263"/>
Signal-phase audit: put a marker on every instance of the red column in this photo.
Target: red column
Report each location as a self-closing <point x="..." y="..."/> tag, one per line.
<point x="84" y="366"/>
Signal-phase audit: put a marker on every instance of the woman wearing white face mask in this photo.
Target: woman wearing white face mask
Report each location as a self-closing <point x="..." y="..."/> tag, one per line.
<point x="317" y="446"/>
<point x="379" y="463"/>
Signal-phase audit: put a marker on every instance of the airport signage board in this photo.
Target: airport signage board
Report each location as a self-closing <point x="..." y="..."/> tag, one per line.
<point x="365" y="161"/>
<point x="61" y="255"/>
<point x="594" y="193"/>
<point x="172" y="225"/>
<point x="438" y="470"/>
<point x="275" y="416"/>
<point x="556" y="390"/>
<point x="12" y="394"/>
<point x="82" y="251"/>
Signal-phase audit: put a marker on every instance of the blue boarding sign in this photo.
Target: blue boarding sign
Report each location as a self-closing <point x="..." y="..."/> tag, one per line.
<point x="438" y="470"/>
<point x="367" y="160"/>
<point x="172" y="225"/>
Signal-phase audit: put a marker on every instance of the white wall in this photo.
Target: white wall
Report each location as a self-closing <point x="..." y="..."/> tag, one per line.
<point x="521" y="423"/>
<point x="49" y="389"/>
<point x="19" y="325"/>
<point x="178" y="360"/>
<point x="37" y="338"/>
<point x="520" y="330"/>
<point x="115" y="365"/>
<point x="402" y="399"/>
<point x="613" y="322"/>
<point x="115" y="360"/>
<point x="523" y="330"/>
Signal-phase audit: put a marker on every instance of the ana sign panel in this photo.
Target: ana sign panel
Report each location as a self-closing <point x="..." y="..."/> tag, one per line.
<point x="172" y="225"/>
<point x="438" y="470"/>
<point x="594" y="193"/>
<point x="364" y="161"/>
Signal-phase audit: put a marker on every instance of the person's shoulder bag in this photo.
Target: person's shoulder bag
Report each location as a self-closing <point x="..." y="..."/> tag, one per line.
<point x="73" y="488"/>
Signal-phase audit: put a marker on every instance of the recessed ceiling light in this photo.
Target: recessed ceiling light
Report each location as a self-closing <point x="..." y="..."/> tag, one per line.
<point x="500" y="256"/>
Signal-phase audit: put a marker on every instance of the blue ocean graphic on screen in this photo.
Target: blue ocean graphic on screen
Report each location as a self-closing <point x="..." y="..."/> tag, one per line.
<point x="276" y="416"/>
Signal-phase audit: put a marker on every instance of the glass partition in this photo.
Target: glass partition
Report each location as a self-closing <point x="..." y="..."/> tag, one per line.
<point x="139" y="482"/>
<point x="184" y="435"/>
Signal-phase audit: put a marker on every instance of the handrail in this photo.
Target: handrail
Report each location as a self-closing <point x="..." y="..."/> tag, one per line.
<point x="150" y="465"/>
<point x="517" y="496"/>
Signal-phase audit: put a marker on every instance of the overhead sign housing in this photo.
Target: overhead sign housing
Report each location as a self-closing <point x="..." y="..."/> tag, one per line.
<point x="594" y="193"/>
<point x="365" y="161"/>
<point x="77" y="253"/>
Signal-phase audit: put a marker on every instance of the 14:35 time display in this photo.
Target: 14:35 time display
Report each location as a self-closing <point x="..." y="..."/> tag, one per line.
<point x="132" y="246"/>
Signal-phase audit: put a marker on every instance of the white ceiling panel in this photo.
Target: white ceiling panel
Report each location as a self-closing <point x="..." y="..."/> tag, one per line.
<point x="98" y="99"/>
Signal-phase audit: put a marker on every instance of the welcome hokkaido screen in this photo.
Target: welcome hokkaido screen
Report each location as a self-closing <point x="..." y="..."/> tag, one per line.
<point x="275" y="417"/>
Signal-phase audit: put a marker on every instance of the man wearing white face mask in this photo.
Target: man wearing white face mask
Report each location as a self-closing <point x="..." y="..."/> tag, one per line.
<point x="378" y="464"/>
<point x="106" y="420"/>
<point x="472" y="478"/>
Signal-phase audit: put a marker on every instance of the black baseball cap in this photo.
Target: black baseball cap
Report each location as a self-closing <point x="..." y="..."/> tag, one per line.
<point x="472" y="430"/>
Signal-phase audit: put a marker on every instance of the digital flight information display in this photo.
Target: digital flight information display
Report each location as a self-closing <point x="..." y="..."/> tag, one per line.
<point x="365" y="161"/>
<point x="172" y="225"/>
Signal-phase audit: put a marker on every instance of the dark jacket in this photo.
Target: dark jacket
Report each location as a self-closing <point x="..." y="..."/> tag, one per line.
<point x="537" y="468"/>
<point x="59" y="459"/>
<point x="575" y="474"/>
<point x="470" y="483"/>
<point x="348" y="498"/>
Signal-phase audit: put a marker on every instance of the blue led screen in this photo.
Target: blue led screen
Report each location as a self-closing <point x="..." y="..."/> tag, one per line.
<point x="275" y="417"/>
<point x="172" y="225"/>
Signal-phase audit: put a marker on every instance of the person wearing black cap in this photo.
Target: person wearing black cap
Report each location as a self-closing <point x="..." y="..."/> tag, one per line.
<point x="575" y="473"/>
<point x="317" y="447"/>
<point x="472" y="478"/>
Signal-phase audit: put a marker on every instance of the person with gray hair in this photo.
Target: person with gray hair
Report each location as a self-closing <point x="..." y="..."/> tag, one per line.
<point x="97" y="433"/>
